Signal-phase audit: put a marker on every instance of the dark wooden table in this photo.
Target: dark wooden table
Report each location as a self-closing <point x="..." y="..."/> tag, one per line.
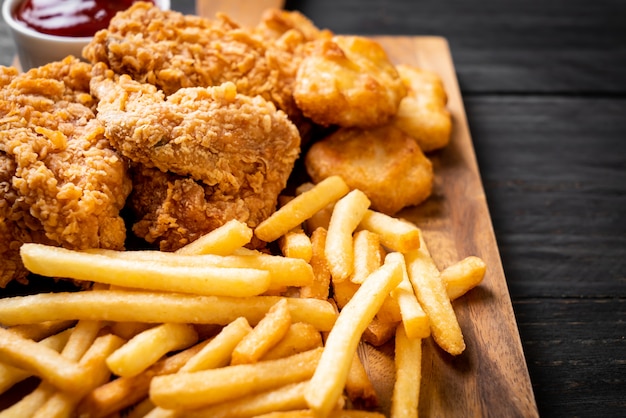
<point x="544" y="87"/>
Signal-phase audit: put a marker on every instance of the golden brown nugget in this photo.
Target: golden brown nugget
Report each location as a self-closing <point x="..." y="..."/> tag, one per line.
<point x="384" y="163"/>
<point x="422" y="113"/>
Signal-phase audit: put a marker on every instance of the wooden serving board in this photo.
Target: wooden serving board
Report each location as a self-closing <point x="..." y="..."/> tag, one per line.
<point x="490" y="378"/>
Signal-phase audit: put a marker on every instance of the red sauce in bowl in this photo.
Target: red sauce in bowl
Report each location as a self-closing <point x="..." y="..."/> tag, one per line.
<point x="75" y="18"/>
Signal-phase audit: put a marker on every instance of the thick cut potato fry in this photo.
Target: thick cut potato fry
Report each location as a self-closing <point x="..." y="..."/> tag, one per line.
<point x="41" y="330"/>
<point x="432" y="296"/>
<point x="264" y="335"/>
<point x="209" y="280"/>
<point x="406" y="388"/>
<point x="146" y="348"/>
<point x="307" y="413"/>
<point x="42" y="361"/>
<point x="296" y="244"/>
<point x="299" y="337"/>
<point x="359" y="387"/>
<point x="463" y="276"/>
<point x="331" y="374"/>
<point x="221" y="241"/>
<point x="79" y="342"/>
<point x="414" y="319"/>
<point x="283" y="271"/>
<point x="300" y="208"/>
<point x="286" y="397"/>
<point x="115" y="305"/>
<point x="209" y="387"/>
<point x="320" y="287"/>
<point x="367" y="255"/>
<point x="123" y="392"/>
<point x="218" y="351"/>
<point x="10" y="375"/>
<point x="347" y="215"/>
<point x="379" y="332"/>
<point x="62" y="404"/>
<point x="396" y="234"/>
<point x="319" y="219"/>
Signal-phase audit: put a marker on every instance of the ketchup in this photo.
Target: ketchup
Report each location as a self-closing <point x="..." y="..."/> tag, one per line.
<point x="73" y="18"/>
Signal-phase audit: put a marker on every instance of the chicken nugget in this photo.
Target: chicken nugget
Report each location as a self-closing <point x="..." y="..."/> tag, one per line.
<point x="348" y="81"/>
<point x="423" y="113"/>
<point x="384" y="163"/>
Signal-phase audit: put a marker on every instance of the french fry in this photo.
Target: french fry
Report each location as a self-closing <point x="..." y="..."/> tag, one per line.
<point x="139" y="306"/>
<point x="414" y="319"/>
<point x="330" y="376"/>
<point x="10" y="375"/>
<point x="296" y="244"/>
<point x="147" y="347"/>
<point x="406" y="388"/>
<point x="123" y="392"/>
<point x="396" y="234"/>
<point x="209" y="387"/>
<point x="81" y="339"/>
<point x="41" y="330"/>
<point x="431" y="293"/>
<point x="347" y="215"/>
<point x="42" y="361"/>
<point x="221" y="241"/>
<point x="283" y="271"/>
<point x="379" y="332"/>
<point x="299" y="337"/>
<point x="60" y="262"/>
<point x="463" y="276"/>
<point x="319" y="219"/>
<point x="367" y="255"/>
<point x="287" y="397"/>
<point x="307" y="413"/>
<point x="319" y="289"/>
<point x="359" y="387"/>
<point x="300" y="208"/>
<point x="218" y="351"/>
<point x="62" y="404"/>
<point x="264" y="335"/>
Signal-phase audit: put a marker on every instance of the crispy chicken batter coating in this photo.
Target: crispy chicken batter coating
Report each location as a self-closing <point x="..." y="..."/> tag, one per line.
<point x="221" y="155"/>
<point x="61" y="182"/>
<point x="348" y="81"/>
<point x="423" y="113"/>
<point x="384" y="163"/>
<point x="171" y="51"/>
<point x="173" y="210"/>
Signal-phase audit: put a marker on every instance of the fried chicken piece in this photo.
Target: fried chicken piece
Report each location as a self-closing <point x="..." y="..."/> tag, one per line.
<point x="173" y="210"/>
<point x="232" y="154"/>
<point x="348" y="81"/>
<point x="384" y="163"/>
<point x="172" y="51"/>
<point x="61" y="182"/>
<point x="423" y="113"/>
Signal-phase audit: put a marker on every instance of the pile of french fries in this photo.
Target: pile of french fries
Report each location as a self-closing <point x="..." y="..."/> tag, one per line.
<point x="218" y="330"/>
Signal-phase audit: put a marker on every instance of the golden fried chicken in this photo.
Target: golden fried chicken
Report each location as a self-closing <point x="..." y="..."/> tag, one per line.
<point x="423" y="113"/>
<point x="348" y="81"/>
<point x="172" y="210"/>
<point x="215" y="154"/>
<point x="384" y="163"/>
<point x="171" y="51"/>
<point x="61" y="182"/>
